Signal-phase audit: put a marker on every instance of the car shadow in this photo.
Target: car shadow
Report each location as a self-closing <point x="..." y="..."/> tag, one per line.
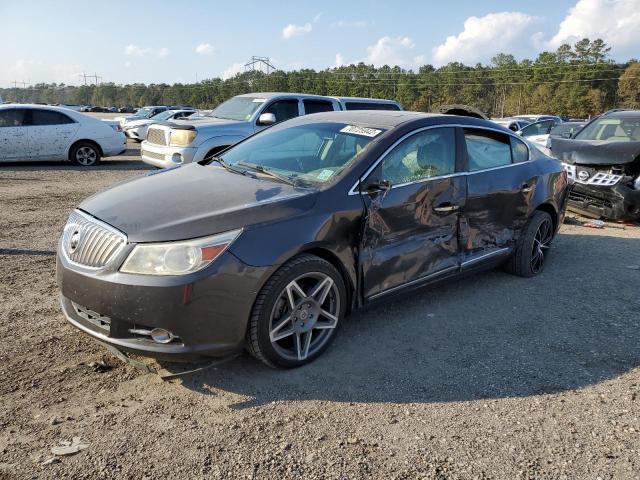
<point x="491" y="335"/>
<point x="106" y="164"/>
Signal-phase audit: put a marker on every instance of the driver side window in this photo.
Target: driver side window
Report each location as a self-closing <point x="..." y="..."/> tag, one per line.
<point x="283" y="109"/>
<point x="427" y="154"/>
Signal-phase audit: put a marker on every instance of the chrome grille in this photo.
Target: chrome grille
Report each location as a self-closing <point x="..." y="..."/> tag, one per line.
<point x="156" y="136"/>
<point x="592" y="177"/>
<point x="89" y="242"/>
<point x="147" y="153"/>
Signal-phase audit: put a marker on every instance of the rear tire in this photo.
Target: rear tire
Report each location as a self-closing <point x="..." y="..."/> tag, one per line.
<point x="85" y="154"/>
<point x="297" y="313"/>
<point x="532" y="247"/>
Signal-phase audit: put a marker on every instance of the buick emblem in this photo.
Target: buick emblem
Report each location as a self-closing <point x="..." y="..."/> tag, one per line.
<point x="583" y="175"/>
<point x="74" y="242"/>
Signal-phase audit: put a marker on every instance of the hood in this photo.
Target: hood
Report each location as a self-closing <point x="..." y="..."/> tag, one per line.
<point x="594" y="152"/>
<point x="140" y="122"/>
<point x="201" y="123"/>
<point x="195" y="201"/>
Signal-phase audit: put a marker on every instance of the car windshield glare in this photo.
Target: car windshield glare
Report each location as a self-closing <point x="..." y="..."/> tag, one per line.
<point x="609" y="129"/>
<point x="167" y="114"/>
<point x="315" y="152"/>
<point x="238" y="108"/>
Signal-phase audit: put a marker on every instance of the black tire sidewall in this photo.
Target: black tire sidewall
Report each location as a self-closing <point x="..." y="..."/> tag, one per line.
<point x="271" y="292"/>
<point x="527" y="244"/>
<point x="78" y="146"/>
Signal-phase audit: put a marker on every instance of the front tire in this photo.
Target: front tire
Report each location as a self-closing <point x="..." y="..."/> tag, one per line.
<point x="297" y="313"/>
<point x="532" y="247"/>
<point x="85" y="154"/>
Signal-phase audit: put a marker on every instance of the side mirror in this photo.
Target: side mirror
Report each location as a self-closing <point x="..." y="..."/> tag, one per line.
<point x="519" y="132"/>
<point x="566" y="135"/>
<point x="376" y="187"/>
<point x="267" y="119"/>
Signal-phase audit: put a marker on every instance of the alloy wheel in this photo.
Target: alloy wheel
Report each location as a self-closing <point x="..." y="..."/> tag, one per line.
<point x="86" y="156"/>
<point x="541" y="243"/>
<point x="304" y="316"/>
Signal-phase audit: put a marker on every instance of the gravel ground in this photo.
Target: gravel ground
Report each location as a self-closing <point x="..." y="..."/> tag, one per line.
<point x="492" y="376"/>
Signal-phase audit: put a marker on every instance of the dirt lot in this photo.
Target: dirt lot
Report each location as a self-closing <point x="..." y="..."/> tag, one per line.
<point x="490" y="377"/>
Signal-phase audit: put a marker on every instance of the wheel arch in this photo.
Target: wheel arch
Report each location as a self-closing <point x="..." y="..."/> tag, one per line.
<point x="85" y="140"/>
<point x="334" y="260"/>
<point x="547" y="207"/>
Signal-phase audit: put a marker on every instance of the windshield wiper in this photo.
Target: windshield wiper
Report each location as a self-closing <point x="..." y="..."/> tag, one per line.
<point x="270" y="173"/>
<point x="228" y="167"/>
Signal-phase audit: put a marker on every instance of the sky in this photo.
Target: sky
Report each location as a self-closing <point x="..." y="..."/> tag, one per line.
<point x="186" y="41"/>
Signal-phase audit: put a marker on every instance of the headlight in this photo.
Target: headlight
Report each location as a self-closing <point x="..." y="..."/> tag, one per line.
<point x="177" y="258"/>
<point x="180" y="138"/>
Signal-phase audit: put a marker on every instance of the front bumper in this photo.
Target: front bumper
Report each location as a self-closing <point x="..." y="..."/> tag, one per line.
<point x="208" y="311"/>
<point x="618" y="202"/>
<point x="165" y="156"/>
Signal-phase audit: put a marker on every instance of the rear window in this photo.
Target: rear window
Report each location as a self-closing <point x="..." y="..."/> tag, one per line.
<point x="317" y="106"/>
<point x="49" y="117"/>
<point x="370" y="106"/>
<point x="487" y="149"/>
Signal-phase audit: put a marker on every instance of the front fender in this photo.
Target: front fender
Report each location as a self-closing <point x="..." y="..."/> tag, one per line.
<point x="213" y="142"/>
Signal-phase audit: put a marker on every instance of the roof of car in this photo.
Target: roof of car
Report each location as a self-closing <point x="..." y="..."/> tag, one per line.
<point x="363" y="99"/>
<point x="623" y="113"/>
<point x="268" y="95"/>
<point x="36" y="105"/>
<point x="382" y="118"/>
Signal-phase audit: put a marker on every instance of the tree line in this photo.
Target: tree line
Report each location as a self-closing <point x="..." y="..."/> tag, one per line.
<point x="577" y="80"/>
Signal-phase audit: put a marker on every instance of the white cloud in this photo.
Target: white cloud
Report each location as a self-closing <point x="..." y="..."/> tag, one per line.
<point x="617" y="22"/>
<point x="292" y="30"/>
<point x="204" y="49"/>
<point x="317" y="17"/>
<point x="232" y="71"/>
<point x="483" y="37"/>
<point x="391" y="51"/>
<point x="352" y="24"/>
<point x="340" y="61"/>
<point x="132" y="50"/>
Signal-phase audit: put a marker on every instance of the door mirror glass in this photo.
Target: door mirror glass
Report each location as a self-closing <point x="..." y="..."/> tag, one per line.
<point x="267" y="119"/>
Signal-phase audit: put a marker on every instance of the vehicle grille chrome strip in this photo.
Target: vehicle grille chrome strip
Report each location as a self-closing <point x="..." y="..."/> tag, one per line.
<point x="156" y="136"/>
<point x="88" y="242"/>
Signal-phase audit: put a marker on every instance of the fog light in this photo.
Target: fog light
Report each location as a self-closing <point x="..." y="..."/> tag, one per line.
<point x="160" y="335"/>
<point x="176" y="158"/>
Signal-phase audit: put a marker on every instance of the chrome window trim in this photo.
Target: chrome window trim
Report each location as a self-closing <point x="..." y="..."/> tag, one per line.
<point x="354" y="189"/>
<point x="100" y="223"/>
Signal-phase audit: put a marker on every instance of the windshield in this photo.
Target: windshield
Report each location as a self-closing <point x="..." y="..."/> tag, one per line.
<point x="167" y="114"/>
<point x="316" y="152"/>
<point x="237" y="108"/>
<point x="144" y="112"/>
<point x="625" y="129"/>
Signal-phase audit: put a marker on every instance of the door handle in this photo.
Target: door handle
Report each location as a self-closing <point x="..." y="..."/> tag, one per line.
<point x="446" y="208"/>
<point x="526" y="187"/>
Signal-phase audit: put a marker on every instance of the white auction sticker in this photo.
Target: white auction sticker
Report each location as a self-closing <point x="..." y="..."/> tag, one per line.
<point x="364" y="131"/>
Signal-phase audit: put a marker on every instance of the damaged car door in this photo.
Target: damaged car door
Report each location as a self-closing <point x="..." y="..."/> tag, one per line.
<point x="412" y="198"/>
<point x="501" y="182"/>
